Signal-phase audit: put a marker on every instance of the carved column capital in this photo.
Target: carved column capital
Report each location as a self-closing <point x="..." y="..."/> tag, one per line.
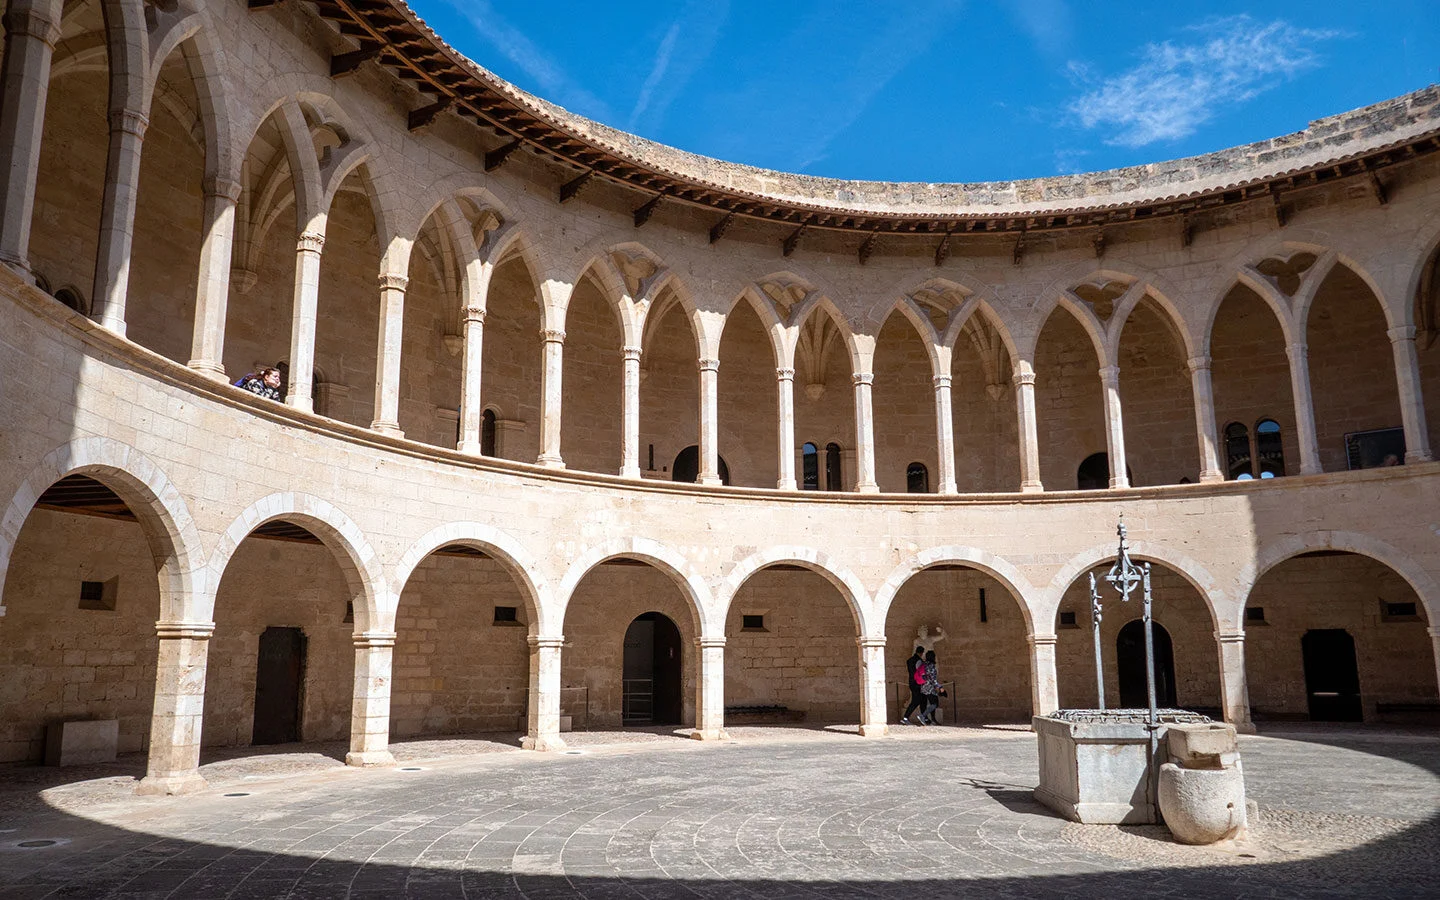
<point x="1296" y="349"/>
<point x="32" y="23"/>
<point x="942" y="381"/>
<point x="1401" y="333"/>
<point x="474" y="314"/>
<point x="552" y="336"/>
<point x="223" y="188"/>
<point x="785" y="373"/>
<point x="546" y="642"/>
<point x="1110" y="375"/>
<point x="1230" y="637"/>
<point x="195" y="631"/>
<point x="374" y="640"/>
<point x="871" y="643"/>
<point x="631" y="353"/>
<point x="1042" y="640"/>
<point x="709" y="365"/>
<point x="391" y="282"/>
<point x="865" y="378"/>
<point x="1025" y="377"/>
<point x="310" y="242"/>
<point x="1198" y="364"/>
<point x="710" y="643"/>
<point x="130" y="121"/>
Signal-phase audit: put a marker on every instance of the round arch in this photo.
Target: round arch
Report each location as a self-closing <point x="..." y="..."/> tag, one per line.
<point x="696" y="593"/>
<point x="511" y="554"/>
<point x="850" y="588"/>
<point x="1220" y="606"/>
<point x="982" y="560"/>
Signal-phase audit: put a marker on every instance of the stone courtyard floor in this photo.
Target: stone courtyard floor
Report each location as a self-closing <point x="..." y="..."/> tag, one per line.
<point x="776" y="812"/>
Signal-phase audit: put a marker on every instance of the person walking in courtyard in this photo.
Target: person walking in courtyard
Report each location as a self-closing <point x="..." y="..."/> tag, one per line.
<point x="930" y="688"/>
<point x="917" y="699"/>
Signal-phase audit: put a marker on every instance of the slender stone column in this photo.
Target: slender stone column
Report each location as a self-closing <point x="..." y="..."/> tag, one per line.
<point x="302" y="321"/>
<point x="387" y="362"/>
<point x="1203" y="389"/>
<point x="874" y="715"/>
<point x="1024" y="378"/>
<point x="945" y="434"/>
<point x="864" y="434"/>
<point x="1412" y="403"/>
<point x="710" y="691"/>
<point x="175" y="723"/>
<point x="470" y="413"/>
<point x="1304" y="409"/>
<point x="785" y="383"/>
<point x="212" y="290"/>
<point x="370" y="708"/>
<point x="543" y="730"/>
<point x="1044" y="683"/>
<point x="630" y="430"/>
<point x="709" y="421"/>
<point x="1114" y="426"/>
<point x="553" y="342"/>
<point x="1234" y="689"/>
<point x="1435" y="649"/>
<point x="31" y="29"/>
<point x="117" y="217"/>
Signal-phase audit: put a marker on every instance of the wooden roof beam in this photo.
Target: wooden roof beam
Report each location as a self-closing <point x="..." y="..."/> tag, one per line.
<point x="792" y="241"/>
<point x="419" y="118"/>
<point x="569" y="189"/>
<point x="494" y="158"/>
<point x="342" y="64"/>
<point x="643" y="213"/>
<point x="717" y="231"/>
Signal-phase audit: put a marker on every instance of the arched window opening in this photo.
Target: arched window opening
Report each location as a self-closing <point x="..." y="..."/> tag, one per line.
<point x="1269" y="453"/>
<point x="1237" y="450"/>
<point x="810" y="467"/>
<point x="487" y="433"/>
<point x="1094" y="473"/>
<point x="687" y="466"/>
<point x="833" y="479"/>
<point x="72" y="298"/>
<point x="917" y="478"/>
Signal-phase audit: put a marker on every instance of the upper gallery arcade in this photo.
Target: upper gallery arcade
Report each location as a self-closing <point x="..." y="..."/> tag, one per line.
<point x="504" y="320"/>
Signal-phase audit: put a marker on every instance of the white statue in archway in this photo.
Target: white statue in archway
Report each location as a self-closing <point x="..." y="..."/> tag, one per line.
<point x="923" y="638"/>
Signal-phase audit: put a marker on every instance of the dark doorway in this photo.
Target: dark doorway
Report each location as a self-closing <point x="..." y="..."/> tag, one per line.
<point x="1332" y="679"/>
<point x="1130" y="664"/>
<point x="279" y="677"/>
<point x="1094" y="473"/>
<point x="687" y="466"/>
<point x="651" y="692"/>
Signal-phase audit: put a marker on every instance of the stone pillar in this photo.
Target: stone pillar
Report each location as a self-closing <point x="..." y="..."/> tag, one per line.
<point x="864" y="436"/>
<point x="1024" y="378"/>
<point x="370" y="708"/>
<point x="387" y="355"/>
<point x="1114" y="426"/>
<point x="212" y="288"/>
<point x="543" y="730"/>
<point x="874" y="714"/>
<point x="1044" y="683"/>
<point x="1203" y="390"/>
<point x="302" y="321"/>
<point x="945" y="435"/>
<point x="31" y="29"/>
<point x="710" y="691"/>
<point x="630" y="429"/>
<point x="709" y="421"/>
<point x="785" y="383"/>
<point x="1435" y="648"/>
<point x="117" y="217"/>
<point x="1412" y="404"/>
<point x="553" y="343"/>
<point x="179" y="711"/>
<point x="1234" y="689"/>
<point x="1304" y="409"/>
<point x="470" y="412"/>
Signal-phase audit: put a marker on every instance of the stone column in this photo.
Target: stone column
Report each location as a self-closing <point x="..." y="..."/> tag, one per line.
<point x="785" y="383"/>
<point x="470" y="413"/>
<point x="630" y="429"/>
<point x="874" y="714"/>
<point x="31" y="29"/>
<point x="709" y="421"/>
<point x="543" y="730"/>
<point x="1304" y="409"/>
<point x="387" y="355"/>
<point x="1044" y="684"/>
<point x="117" y="217"/>
<point x="212" y="289"/>
<point x="1024" y="378"/>
<point x="302" y="321"/>
<point x="370" y="708"/>
<point x="1435" y="648"/>
<point x="945" y="434"/>
<point x="1203" y="390"/>
<point x="864" y="435"/>
<point x="553" y="343"/>
<point x="1114" y="426"/>
<point x="175" y="723"/>
<point x="1234" y="689"/>
<point x="1412" y="404"/>
<point x="710" y="691"/>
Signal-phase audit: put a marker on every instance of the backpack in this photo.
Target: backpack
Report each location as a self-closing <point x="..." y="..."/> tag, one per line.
<point x="919" y="675"/>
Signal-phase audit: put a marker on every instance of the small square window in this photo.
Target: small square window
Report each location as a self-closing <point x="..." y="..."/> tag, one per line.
<point x="1398" y="612"/>
<point x="98" y="594"/>
<point x="750" y="622"/>
<point x="1067" y="620"/>
<point x="1255" y="615"/>
<point x="507" y="615"/>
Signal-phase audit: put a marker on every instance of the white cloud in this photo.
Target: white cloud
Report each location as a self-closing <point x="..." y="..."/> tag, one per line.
<point x="698" y="29"/>
<point x="657" y="72"/>
<point x="1176" y="88"/>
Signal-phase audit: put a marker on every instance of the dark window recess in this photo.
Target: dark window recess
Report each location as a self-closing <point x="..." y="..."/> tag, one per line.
<point x="1399" y="612"/>
<point x="917" y="479"/>
<point x="809" y="468"/>
<point x="984" y="612"/>
<point x="834" y="480"/>
<point x="1269" y="449"/>
<point x="487" y="433"/>
<point x="1255" y="615"/>
<point x="1237" y="451"/>
<point x="1375" y="449"/>
<point x="349" y="612"/>
<point x="1067" y="620"/>
<point x="752" y="623"/>
<point x="98" y="595"/>
<point x="507" y="615"/>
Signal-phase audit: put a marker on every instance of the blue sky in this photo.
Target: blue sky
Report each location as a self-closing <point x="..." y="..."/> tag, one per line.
<point x="951" y="90"/>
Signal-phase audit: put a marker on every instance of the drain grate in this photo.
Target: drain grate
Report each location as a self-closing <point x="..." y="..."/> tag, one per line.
<point x="238" y="794"/>
<point x="411" y="769"/>
<point x="574" y="752"/>
<point x="35" y="844"/>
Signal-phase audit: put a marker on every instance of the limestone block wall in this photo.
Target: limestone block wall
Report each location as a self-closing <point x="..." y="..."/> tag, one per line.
<point x="1251" y="373"/>
<point x="747" y="399"/>
<point x="1159" y="407"/>
<point x="594" y="372"/>
<point x="70" y="185"/>
<point x="904" y="424"/>
<point x="1068" y="400"/>
<point x="806" y="659"/>
<point x="510" y="374"/>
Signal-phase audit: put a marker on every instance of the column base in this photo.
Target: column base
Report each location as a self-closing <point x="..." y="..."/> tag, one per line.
<point x="874" y="731"/>
<point x="1120" y="483"/>
<point x="710" y="734"/>
<point x="117" y="326"/>
<point x="389" y="429"/>
<point x="304" y="404"/>
<point x="1243" y="727"/>
<point x="1417" y="456"/>
<point x="209" y="369"/>
<point x="1211" y="476"/>
<point x="20" y="267"/>
<point x="629" y="471"/>
<point x="785" y="484"/>
<point x="710" y="480"/>
<point x="170" y="785"/>
<point x="544" y="743"/>
<point x="550" y="462"/>
<point x="868" y="487"/>
<point x="469" y="448"/>
<point x="366" y="759"/>
<point x="948" y="489"/>
<point x="1031" y="487"/>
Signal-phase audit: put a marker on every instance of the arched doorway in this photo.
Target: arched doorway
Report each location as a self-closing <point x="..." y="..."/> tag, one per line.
<point x="279" y="686"/>
<point x="687" y="466"/>
<point x="1130" y="665"/>
<point x="651" y="691"/>
<point x="1332" y="676"/>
